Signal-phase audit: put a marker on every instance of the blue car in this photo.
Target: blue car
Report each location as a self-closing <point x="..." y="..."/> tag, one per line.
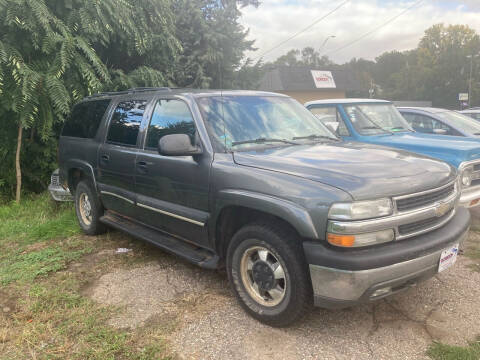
<point x="440" y="121"/>
<point x="474" y="113"/>
<point x="379" y="122"/>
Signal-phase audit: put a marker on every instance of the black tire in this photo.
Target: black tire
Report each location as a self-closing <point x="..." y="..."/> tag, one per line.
<point x="94" y="226"/>
<point x="284" y="245"/>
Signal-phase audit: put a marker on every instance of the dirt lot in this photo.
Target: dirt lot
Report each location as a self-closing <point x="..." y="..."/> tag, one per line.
<point x="209" y="324"/>
<point x="64" y="295"/>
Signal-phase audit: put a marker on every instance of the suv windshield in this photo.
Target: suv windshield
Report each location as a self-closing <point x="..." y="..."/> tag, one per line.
<point x="460" y="121"/>
<point x="247" y="121"/>
<point x="372" y="119"/>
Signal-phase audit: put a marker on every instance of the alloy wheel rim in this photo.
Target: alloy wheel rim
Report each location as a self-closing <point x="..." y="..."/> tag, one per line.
<point x="85" y="208"/>
<point x="263" y="276"/>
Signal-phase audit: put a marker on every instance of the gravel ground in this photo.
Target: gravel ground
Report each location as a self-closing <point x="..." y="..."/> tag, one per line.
<point x="211" y="325"/>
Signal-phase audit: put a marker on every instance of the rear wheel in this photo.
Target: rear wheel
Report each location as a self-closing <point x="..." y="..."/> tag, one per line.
<point x="268" y="273"/>
<point x="88" y="209"/>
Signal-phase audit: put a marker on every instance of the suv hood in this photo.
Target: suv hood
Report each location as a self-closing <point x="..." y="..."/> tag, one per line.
<point x="365" y="171"/>
<point x="452" y="149"/>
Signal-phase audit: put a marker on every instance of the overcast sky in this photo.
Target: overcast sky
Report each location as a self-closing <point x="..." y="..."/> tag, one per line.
<point x="276" y="20"/>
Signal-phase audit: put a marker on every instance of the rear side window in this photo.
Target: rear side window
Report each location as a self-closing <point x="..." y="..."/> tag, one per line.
<point x="125" y="122"/>
<point x="170" y="117"/>
<point x="85" y="119"/>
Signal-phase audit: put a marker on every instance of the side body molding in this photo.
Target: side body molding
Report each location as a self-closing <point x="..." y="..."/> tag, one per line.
<point x="294" y="214"/>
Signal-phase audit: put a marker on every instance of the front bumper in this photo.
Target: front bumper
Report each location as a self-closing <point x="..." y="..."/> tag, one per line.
<point x="345" y="278"/>
<point x="470" y="197"/>
<point x="58" y="193"/>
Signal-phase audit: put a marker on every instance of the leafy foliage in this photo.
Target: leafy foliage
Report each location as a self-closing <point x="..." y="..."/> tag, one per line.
<point x="213" y="42"/>
<point x="55" y="52"/>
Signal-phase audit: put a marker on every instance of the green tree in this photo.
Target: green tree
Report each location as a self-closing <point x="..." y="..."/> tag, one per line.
<point x="443" y="52"/>
<point x="437" y="70"/>
<point x="54" y="53"/>
<point x="308" y="56"/>
<point x="38" y="53"/>
<point x="213" y="42"/>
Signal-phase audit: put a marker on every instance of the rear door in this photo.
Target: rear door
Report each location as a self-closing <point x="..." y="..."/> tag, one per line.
<point x="117" y="154"/>
<point x="173" y="191"/>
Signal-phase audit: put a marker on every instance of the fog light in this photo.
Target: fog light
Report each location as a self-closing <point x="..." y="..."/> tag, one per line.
<point x="382" y="291"/>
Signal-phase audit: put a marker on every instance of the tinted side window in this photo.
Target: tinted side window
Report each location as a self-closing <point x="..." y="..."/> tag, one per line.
<point x="170" y="117"/>
<point x="85" y="119"/>
<point x="125" y="122"/>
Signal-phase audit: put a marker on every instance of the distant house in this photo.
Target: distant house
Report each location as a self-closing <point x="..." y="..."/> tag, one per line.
<point x="306" y="83"/>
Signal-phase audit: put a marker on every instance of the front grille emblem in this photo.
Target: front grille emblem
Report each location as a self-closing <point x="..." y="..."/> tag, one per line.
<point x="442" y="209"/>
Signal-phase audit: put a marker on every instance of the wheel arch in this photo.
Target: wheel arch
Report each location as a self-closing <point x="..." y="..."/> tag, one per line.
<point x="78" y="170"/>
<point x="238" y="208"/>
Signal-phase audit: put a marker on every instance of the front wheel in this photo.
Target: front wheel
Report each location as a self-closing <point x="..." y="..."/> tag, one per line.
<point x="88" y="209"/>
<point x="268" y="273"/>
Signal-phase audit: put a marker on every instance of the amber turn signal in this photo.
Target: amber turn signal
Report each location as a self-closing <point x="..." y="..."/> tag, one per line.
<point x="341" y="240"/>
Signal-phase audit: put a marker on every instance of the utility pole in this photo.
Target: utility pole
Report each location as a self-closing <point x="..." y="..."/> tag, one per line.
<point x="470" y="78"/>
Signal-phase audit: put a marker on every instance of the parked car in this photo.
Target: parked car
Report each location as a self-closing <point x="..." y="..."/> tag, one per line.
<point x="253" y="182"/>
<point x="474" y="113"/>
<point x="58" y="191"/>
<point x="379" y="122"/>
<point x="440" y="121"/>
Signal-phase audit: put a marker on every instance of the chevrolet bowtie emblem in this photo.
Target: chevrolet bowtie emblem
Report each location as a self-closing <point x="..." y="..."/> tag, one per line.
<point x="442" y="209"/>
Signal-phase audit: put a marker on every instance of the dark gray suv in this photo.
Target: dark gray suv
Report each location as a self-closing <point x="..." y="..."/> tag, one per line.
<point x="251" y="181"/>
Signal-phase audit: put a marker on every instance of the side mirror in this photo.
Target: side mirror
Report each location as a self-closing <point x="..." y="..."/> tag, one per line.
<point x="440" y="131"/>
<point x="177" y="145"/>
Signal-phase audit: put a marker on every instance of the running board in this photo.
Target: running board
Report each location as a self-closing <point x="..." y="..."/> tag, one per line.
<point x="197" y="255"/>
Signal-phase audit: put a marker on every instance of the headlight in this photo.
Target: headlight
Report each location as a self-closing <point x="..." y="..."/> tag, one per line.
<point x="359" y="210"/>
<point x="466" y="177"/>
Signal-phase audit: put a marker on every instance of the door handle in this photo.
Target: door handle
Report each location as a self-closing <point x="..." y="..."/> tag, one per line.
<point x="105" y="158"/>
<point x="142" y="167"/>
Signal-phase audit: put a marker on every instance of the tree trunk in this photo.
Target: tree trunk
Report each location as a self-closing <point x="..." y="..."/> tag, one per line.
<point x="17" y="163"/>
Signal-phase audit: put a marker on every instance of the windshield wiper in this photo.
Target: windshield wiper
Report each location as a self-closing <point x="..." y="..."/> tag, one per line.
<point x="315" y="136"/>
<point x="262" y="141"/>
<point x="400" y="128"/>
<point x="377" y="128"/>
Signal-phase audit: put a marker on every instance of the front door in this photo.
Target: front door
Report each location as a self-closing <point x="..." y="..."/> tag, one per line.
<point x="172" y="191"/>
<point x="117" y="155"/>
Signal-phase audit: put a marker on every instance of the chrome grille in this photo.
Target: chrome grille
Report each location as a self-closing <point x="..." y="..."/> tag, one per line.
<point x="430" y="200"/>
<point x="414" y="202"/>
<point x="423" y="224"/>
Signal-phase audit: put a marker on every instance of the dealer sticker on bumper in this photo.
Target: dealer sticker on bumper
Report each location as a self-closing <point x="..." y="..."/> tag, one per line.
<point x="448" y="258"/>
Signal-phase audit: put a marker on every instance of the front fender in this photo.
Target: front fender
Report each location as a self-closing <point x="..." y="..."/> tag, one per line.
<point x="292" y="213"/>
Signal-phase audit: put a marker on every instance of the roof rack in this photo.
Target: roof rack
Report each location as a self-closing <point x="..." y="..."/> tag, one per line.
<point x="140" y="89"/>
<point x="130" y="91"/>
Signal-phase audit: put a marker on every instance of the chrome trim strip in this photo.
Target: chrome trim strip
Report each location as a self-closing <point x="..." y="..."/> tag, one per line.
<point x="171" y="214"/>
<point x="401" y="197"/>
<point x="431" y="228"/>
<point x="389" y="222"/>
<point x="467" y="163"/>
<point x="116" y="195"/>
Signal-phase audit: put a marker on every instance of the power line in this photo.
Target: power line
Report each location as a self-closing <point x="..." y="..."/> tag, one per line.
<point x="375" y="29"/>
<point x="301" y="31"/>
